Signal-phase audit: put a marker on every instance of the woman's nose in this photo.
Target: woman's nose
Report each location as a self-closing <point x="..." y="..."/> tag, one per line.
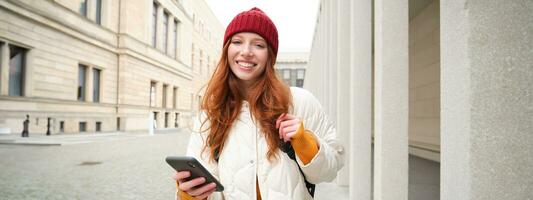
<point x="246" y="51"/>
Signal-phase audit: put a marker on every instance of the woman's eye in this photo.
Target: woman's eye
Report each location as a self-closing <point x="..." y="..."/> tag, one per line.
<point x="260" y="46"/>
<point x="236" y="42"/>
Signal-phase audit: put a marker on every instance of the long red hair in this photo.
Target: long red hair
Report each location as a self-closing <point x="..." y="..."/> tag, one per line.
<point x="268" y="98"/>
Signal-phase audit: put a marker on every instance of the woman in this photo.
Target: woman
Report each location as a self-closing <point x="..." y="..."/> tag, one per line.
<point x="248" y="115"/>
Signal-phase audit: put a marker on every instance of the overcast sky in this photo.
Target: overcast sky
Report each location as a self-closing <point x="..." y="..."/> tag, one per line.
<point x="294" y="19"/>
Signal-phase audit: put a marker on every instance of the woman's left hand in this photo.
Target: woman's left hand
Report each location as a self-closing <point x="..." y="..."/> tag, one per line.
<point x="287" y="125"/>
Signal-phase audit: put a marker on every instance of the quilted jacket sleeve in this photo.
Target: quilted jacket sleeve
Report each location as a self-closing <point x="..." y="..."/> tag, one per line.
<point x="330" y="157"/>
<point x="194" y="149"/>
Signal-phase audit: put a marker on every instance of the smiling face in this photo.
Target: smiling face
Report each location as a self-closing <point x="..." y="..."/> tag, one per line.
<point x="247" y="57"/>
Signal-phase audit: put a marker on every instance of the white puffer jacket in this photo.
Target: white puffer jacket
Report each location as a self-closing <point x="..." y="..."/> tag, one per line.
<point x="244" y="156"/>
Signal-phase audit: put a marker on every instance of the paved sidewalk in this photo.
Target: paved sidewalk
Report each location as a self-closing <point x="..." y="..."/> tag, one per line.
<point x="423" y="174"/>
<point x="117" y="165"/>
<point x="75" y="138"/>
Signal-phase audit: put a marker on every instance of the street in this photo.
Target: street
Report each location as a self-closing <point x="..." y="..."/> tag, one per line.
<point x="132" y="168"/>
<point x="114" y="166"/>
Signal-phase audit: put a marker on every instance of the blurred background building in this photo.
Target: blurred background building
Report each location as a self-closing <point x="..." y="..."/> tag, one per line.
<point x="291" y="67"/>
<point x="102" y="65"/>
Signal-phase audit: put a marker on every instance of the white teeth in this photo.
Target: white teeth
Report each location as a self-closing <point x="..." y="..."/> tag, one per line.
<point x="245" y="64"/>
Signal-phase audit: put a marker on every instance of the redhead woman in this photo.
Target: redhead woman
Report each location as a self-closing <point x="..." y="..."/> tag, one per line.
<point x="258" y="137"/>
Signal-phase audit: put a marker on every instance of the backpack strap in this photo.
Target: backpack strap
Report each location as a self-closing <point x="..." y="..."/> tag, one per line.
<point x="287" y="148"/>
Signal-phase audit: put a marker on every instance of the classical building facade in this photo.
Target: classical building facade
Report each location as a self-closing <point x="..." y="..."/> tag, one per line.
<point x="291" y="67"/>
<point x="448" y="81"/>
<point x="100" y="65"/>
<point x="206" y="46"/>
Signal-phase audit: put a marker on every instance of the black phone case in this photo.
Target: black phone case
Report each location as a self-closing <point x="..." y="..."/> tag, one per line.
<point x="187" y="163"/>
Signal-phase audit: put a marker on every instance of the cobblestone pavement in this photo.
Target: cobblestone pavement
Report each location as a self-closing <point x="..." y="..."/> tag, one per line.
<point x="132" y="168"/>
<point x="108" y="167"/>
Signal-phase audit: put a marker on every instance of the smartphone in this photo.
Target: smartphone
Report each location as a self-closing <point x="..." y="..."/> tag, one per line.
<point x="188" y="163"/>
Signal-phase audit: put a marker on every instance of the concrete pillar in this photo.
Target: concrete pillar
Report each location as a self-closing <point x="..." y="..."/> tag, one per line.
<point x="176" y="47"/>
<point x="343" y="85"/>
<point x="391" y="100"/>
<point x="160" y="119"/>
<point x="89" y="84"/>
<point x="91" y="10"/>
<point x="105" y="11"/>
<point x="4" y="69"/>
<point x="360" y="95"/>
<point x="159" y="28"/>
<point x="169" y="32"/>
<point x="331" y="67"/>
<point x="487" y="99"/>
<point x="28" y="73"/>
<point x="321" y="55"/>
<point x="167" y="97"/>
<point x="158" y="94"/>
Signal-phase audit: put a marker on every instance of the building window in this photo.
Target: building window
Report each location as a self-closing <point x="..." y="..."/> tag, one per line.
<point x="165" y="87"/>
<point x="300" y="74"/>
<point x="175" y="52"/>
<point x="287" y="76"/>
<point x="293" y="77"/>
<point x="118" y="123"/>
<point x="83" y="126"/>
<point x="154" y="24"/>
<point x="165" y="32"/>
<point x="99" y="12"/>
<point x="82" y="71"/>
<point x="152" y="93"/>
<point x="98" y="126"/>
<point x="83" y="8"/>
<point x="199" y="99"/>
<point x="62" y="126"/>
<point x="96" y="85"/>
<point x="166" y="119"/>
<point x="17" y="65"/>
<point x="175" y="97"/>
<point x="155" y="119"/>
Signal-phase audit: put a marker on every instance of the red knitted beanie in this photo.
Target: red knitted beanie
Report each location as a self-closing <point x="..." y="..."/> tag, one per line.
<point x="255" y="21"/>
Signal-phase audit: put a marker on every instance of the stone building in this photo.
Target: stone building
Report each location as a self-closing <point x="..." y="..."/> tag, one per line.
<point x="291" y="67"/>
<point x="101" y="65"/>
<point x="206" y="46"/>
<point x="448" y="81"/>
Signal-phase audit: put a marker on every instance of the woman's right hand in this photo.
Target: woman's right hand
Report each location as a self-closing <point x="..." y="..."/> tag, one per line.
<point x="195" y="187"/>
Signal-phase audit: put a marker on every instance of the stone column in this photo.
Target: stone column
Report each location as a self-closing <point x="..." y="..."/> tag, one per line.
<point x="487" y="99"/>
<point x="4" y="69"/>
<point x="89" y="84"/>
<point x="91" y="10"/>
<point x="28" y="74"/>
<point x="360" y="95"/>
<point x="159" y="28"/>
<point x="331" y="67"/>
<point x="158" y="94"/>
<point x="343" y="85"/>
<point x="391" y="100"/>
<point x="169" y="32"/>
